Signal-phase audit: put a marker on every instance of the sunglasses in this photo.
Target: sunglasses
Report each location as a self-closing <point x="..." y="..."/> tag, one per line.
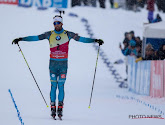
<point x="56" y="23"/>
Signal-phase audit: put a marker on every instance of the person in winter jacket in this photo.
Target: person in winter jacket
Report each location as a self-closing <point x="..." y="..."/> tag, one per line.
<point x="132" y="33"/>
<point x="138" y="50"/>
<point x="93" y="3"/>
<point x="125" y="43"/>
<point x="131" y="50"/>
<point x="59" y="40"/>
<point x="102" y="3"/>
<point x="150" y="8"/>
<point x="161" y="5"/>
<point x="126" y="40"/>
<point x="75" y="3"/>
<point x="157" y="19"/>
<point x="111" y="3"/>
<point x="150" y="53"/>
<point x="161" y="52"/>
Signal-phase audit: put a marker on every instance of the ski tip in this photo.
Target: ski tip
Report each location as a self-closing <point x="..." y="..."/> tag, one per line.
<point x="89" y="107"/>
<point x="47" y="106"/>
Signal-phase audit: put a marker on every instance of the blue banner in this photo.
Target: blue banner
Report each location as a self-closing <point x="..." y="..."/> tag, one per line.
<point x="139" y="76"/>
<point x="147" y="71"/>
<point x="44" y="3"/>
<point x="145" y="78"/>
<point x="130" y="70"/>
<point x="134" y="72"/>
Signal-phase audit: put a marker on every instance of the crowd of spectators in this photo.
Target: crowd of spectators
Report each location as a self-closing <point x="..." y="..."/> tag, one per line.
<point x="151" y="54"/>
<point x="161" y="5"/>
<point x="127" y="4"/>
<point x="133" y="47"/>
<point x="91" y="3"/>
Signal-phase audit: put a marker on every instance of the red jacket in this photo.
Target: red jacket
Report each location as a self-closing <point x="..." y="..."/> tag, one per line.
<point x="150" y="5"/>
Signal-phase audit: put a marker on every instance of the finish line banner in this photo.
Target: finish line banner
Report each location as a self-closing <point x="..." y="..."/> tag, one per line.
<point x="37" y="3"/>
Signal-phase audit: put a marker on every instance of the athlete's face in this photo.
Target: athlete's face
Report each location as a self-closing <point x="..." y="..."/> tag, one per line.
<point x="58" y="26"/>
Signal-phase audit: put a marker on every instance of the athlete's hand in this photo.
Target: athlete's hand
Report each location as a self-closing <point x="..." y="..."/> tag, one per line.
<point x="15" y="41"/>
<point x="99" y="41"/>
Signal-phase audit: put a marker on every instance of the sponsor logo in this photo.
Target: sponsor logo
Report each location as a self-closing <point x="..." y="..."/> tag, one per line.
<point x="57" y="56"/>
<point x="63" y="76"/>
<point x="58" y="38"/>
<point x="53" y="75"/>
<point x="44" y="3"/>
<point x="38" y="3"/>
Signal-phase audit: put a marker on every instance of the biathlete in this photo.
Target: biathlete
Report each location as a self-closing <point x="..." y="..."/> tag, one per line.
<point x="59" y="45"/>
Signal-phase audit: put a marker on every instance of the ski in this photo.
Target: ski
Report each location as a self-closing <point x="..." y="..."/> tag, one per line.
<point x="60" y="118"/>
<point x="54" y="117"/>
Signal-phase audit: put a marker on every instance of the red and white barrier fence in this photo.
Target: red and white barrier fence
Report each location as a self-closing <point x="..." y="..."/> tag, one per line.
<point x="157" y="79"/>
<point x="146" y="77"/>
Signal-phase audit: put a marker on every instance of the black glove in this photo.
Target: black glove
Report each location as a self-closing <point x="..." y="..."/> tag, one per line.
<point x="15" y="41"/>
<point x="99" y="41"/>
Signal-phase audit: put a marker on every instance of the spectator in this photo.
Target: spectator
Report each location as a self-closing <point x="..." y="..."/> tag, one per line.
<point x="161" y="5"/>
<point x="130" y="50"/>
<point x="157" y="19"/>
<point x="112" y="3"/>
<point x="141" y="3"/>
<point x="128" y="5"/>
<point x="150" y="8"/>
<point x="125" y="43"/>
<point x="126" y="37"/>
<point x="131" y="4"/>
<point x="138" y="49"/>
<point x="93" y="2"/>
<point x="138" y="41"/>
<point x="86" y="2"/>
<point x="133" y="35"/>
<point x="102" y="3"/>
<point x="161" y="52"/>
<point x="134" y="4"/>
<point x="76" y="3"/>
<point x="150" y="53"/>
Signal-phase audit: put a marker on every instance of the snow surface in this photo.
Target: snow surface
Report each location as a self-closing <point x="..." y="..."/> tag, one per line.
<point x="107" y="24"/>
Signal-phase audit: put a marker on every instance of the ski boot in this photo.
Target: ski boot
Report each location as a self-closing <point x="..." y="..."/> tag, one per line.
<point x="59" y="111"/>
<point x="53" y="110"/>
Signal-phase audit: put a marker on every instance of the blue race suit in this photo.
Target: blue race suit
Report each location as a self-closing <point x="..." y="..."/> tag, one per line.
<point x="59" y="45"/>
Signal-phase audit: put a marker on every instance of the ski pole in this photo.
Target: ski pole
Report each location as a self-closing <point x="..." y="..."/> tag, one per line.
<point x="94" y="77"/>
<point x="32" y="74"/>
